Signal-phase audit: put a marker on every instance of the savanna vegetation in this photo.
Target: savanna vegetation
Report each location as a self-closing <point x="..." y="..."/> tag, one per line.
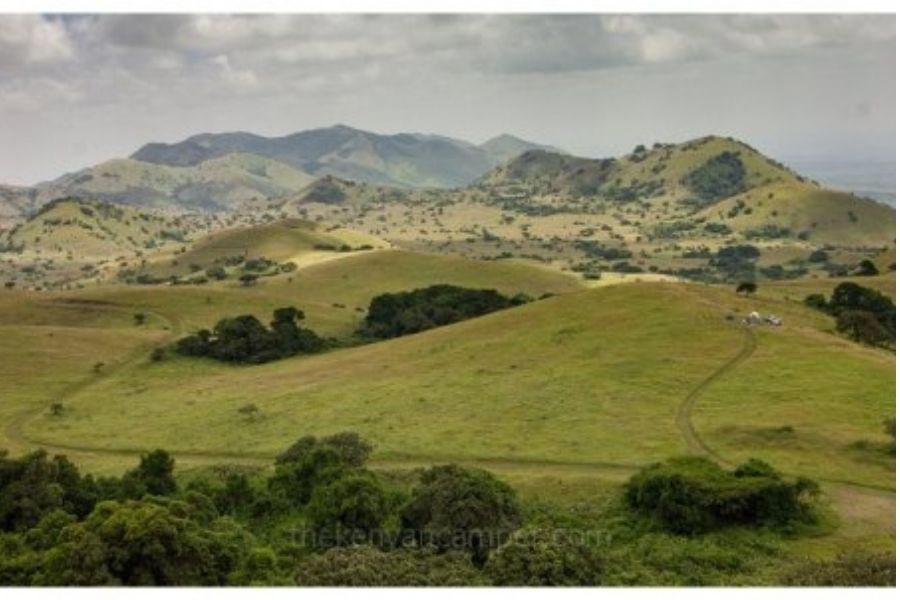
<point x="320" y="516"/>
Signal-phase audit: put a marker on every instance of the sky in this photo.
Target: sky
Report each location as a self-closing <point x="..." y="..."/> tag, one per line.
<point x="78" y="90"/>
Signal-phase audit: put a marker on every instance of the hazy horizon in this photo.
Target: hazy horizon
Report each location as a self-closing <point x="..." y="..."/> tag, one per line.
<point x="83" y="89"/>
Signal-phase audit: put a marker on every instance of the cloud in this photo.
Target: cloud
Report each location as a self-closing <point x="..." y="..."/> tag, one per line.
<point x="199" y="72"/>
<point x="32" y="39"/>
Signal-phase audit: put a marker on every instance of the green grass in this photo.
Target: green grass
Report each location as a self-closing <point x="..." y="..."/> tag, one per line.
<point x="563" y="397"/>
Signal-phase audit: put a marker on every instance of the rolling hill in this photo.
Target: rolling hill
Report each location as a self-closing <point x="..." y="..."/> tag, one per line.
<point x="85" y="230"/>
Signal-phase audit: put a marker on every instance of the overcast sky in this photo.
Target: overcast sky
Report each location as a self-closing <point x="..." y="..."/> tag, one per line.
<point x="78" y="90"/>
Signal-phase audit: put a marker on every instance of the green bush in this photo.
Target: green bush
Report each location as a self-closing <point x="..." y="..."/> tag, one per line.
<point x="543" y="557"/>
<point x="849" y="569"/>
<point x="719" y="177"/>
<point x="694" y="495"/>
<point x="348" y="510"/>
<point x="365" y="566"/>
<point x="244" y="339"/>
<point x="462" y="509"/>
<point x="395" y="314"/>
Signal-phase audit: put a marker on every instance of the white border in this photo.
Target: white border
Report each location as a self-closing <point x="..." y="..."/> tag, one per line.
<point x="445" y="6"/>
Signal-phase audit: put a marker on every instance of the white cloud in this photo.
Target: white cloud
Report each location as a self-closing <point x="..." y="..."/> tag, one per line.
<point x="32" y="39"/>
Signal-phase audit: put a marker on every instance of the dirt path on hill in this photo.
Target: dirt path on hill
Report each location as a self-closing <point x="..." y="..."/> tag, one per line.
<point x="695" y="443"/>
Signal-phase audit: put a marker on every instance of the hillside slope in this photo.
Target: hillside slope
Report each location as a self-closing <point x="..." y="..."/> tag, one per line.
<point x="591" y="378"/>
<point x="88" y="230"/>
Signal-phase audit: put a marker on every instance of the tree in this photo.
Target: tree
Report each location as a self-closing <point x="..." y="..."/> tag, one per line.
<point x="545" y="557"/>
<point x="154" y="475"/>
<point x="867" y="268"/>
<point x="140" y="318"/>
<point x="692" y="495"/>
<point x="461" y="508"/>
<point x="217" y="273"/>
<point x="818" y="256"/>
<point x="139" y="543"/>
<point x="863" y="326"/>
<point x="349" y="510"/>
<point x="295" y="481"/>
<point x="56" y="409"/>
<point x="746" y="288"/>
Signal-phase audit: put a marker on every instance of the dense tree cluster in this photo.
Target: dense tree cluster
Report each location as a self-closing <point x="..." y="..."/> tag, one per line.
<point x="863" y="314"/>
<point x="719" y="177"/>
<point x="322" y="518"/>
<point x="402" y="313"/>
<point x="244" y="339"/>
<point x="692" y="495"/>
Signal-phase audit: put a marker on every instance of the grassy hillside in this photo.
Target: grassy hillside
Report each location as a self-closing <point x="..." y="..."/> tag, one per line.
<point x="89" y="230"/>
<point x="592" y="378"/>
<point x="290" y="240"/>
<point x="819" y="215"/>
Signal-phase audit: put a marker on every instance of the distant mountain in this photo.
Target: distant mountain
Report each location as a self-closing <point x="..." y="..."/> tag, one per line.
<point x="222" y="183"/>
<point x="403" y="160"/>
<point x="227" y="171"/>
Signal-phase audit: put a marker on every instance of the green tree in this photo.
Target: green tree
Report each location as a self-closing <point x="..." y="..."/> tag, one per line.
<point x="863" y="326"/>
<point x="154" y="475"/>
<point x="348" y="510"/>
<point x="138" y="543"/>
<point x="867" y="268"/>
<point x="461" y="508"/>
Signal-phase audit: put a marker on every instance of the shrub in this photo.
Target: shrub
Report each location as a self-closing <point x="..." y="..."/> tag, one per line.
<point x="719" y="177"/>
<point x="539" y="557"/>
<point x="370" y="567"/>
<point x="351" y="448"/>
<point x="862" y="326"/>
<point x="348" y="510"/>
<point x="138" y="543"/>
<point x="746" y="288"/>
<point x="867" y="268"/>
<point x="454" y="507"/>
<point x="244" y="339"/>
<point x="694" y="495"/>
<point x="395" y="314"/>
<point x="849" y="569"/>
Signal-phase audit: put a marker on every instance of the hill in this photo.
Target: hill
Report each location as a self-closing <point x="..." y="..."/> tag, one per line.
<point x="90" y="230"/>
<point x="287" y="241"/>
<point x="405" y="160"/>
<point x="667" y="210"/>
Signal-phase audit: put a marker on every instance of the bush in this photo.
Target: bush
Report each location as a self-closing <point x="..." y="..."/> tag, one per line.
<point x="138" y="543"/>
<point x="348" y="510"/>
<point x="365" y="566"/>
<point x="719" y="177"/>
<point x="244" y="339"/>
<point x="351" y="448"/>
<point x="461" y="508"/>
<point x="395" y="314"/>
<point x="862" y="326"/>
<point x="538" y="557"/>
<point x="693" y="495"/>
<point x="849" y="569"/>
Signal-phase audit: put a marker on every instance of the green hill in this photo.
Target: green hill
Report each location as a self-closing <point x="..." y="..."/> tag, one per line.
<point x="290" y="240"/>
<point x="84" y="230"/>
